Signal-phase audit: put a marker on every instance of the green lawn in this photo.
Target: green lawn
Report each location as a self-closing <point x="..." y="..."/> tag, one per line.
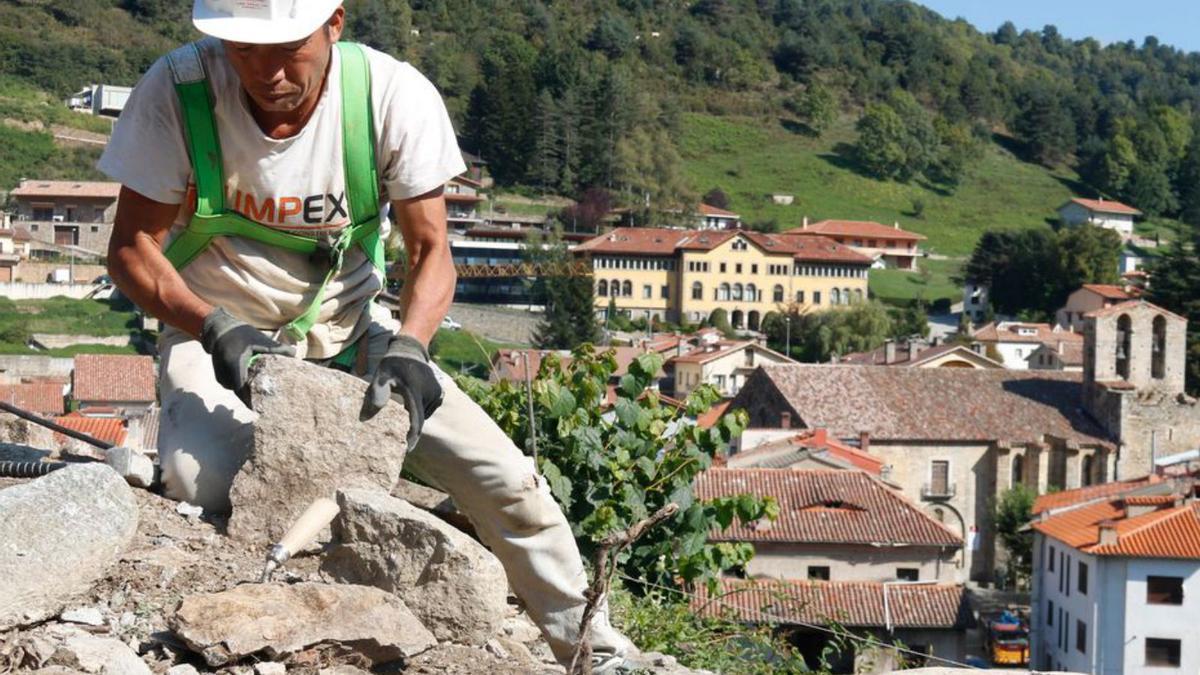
<point x="751" y="159"/>
<point x="460" y="351"/>
<point x="934" y="281"/>
<point x="20" y="349"/>
<point x="66" y="316"/>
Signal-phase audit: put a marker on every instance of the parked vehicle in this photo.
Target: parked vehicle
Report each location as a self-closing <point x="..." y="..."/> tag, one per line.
<point x="451" y="324"/>
<point x="1008" y="640"/>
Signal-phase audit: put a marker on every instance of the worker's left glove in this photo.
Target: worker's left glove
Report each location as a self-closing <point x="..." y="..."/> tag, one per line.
<point x="405" y="370"/>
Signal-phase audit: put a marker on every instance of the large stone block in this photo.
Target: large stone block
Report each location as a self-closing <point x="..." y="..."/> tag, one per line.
<point x="455" y="585"/>
<point x="58" y="534"/>
<point x="275" y="620"/>
<point x="308" y="443"/>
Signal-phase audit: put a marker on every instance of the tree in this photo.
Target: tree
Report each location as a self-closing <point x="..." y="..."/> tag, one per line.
<point x="719" y="319"/>
<point x="383" y="24"/>
<point x="716" y="197"/>
<point x="612" y="35"/>
<point x="816" y="106"/>
<point x="1176" y="287"/>
<point x="609" y="466"/>
<point x="570" y="316"/>
<point x="910" y="320"/>
<point x="1043" y="123"/>
<point x="818" y="336"/>
<point x="498" y="114"/>
<point x="882" y="140"/>
<point x="1087" y="255"/>
<point x="1011" y="512"/>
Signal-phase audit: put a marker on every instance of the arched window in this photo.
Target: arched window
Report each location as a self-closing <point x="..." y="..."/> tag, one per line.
<point x="835" y="297"/>
<point x="736" y="317"/>
<point x="737" y="291"/>
<point x="697" y="290"/>
<point x="1124" y="337"/>
<point x="614" y="288"/>
<point x="602" y="288"/>
<point x="1085" y="471"/>
<point x="751" y="293"/>
<point x="627" y="289"/>
<point x="1158" y="357"/>
<point x="845" y="296"/>
<point x="858" y="295"/>
<point x="777" y="295"/>
<point x="1018" y="469"/>
<point x="752" y="320"/>
<point x="723" y="292"/>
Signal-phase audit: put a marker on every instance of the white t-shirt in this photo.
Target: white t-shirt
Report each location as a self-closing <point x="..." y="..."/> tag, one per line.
<point x="293" y="184"/>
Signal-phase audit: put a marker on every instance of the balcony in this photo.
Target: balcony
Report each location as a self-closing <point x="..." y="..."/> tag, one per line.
<point x="931" y="492"/>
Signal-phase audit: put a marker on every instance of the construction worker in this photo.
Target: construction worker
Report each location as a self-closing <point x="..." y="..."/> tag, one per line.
<point x="254" y="165"/>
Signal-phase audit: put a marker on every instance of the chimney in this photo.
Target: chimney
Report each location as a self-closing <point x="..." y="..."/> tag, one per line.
<point x="896" y="224"/>
<point x="864" y="441"/>
<point x="820" y="436"/>
<point x="889" y="352"/>
<point x="913" y="348"/>
<point x="804" y="223"/>
<point x="785" y="420"/>
<point x="1108" y="533"/>
<point x="1062" y="347"/>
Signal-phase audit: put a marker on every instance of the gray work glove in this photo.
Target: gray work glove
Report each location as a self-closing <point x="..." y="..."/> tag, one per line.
<point x="233" y="345"/>
<point x="404" y="370"/>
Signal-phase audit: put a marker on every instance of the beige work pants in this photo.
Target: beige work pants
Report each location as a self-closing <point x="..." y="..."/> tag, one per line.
<point x="206" y="433"/>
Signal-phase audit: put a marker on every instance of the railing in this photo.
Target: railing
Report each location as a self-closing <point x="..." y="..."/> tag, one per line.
<point x="930" y="491"/>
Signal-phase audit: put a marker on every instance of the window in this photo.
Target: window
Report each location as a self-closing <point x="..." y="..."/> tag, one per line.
<point x="754" y="269"/>
<point x="835" y="297"/>
<point x="816" y="297"/>
<point x="1158" y="355"/>
<point x="614" y="288"/>
<point x="722" y="268"/>
<point x="777" y="293"/>
<point x="800" y="297"/>
<point x="1051" y="558"/>
<point x="1164" y="590"/>
<point x="908" y="574"/>
<point x="1124" y="331"/>
<point x="647" y="291"/>
<point x="939" y="477"/>
<point x="737" y="291"/>
<point x="1083" y="577"/>
<point x="43" y="213"/>
<point x="738" y="245"/>
<point x="602" y="288"/>
<point x="1067" y="578"/>
<point x="95" y="228"/>
<point x="1080" y="636"/>
<point x="697" y="290"/>
<point x="627" y="289"/>
<point x="665" y="292"/>
<point x="749" y="359"/>
<point x="737" y="268"/>
<point x="1160" y="651"/>
<point x="723" y="292"/>
<point x="751" y="293"/>
<point x="1049" y="612"/>
<point x="818" y="572"/>
<point x="33" y="227"/>
<point x="720" y="382"/>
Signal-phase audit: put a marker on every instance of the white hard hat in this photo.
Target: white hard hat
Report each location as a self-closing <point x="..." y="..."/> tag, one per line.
<point x="261" y="21"/>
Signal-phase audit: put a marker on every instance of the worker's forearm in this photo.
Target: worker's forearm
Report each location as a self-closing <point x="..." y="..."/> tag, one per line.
<point x="144" y="275"/>
<point x="428" y="291"/>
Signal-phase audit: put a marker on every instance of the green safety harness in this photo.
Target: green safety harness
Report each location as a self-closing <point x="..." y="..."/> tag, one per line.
<point x="213" y="219"/>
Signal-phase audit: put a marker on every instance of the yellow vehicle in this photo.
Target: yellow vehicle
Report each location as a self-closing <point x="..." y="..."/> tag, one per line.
<point x="1008" y="641"/>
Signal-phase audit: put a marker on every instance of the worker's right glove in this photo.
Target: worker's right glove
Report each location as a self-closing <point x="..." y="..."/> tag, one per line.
<point x="233" y="345"/>
<point x="404" y="370"/>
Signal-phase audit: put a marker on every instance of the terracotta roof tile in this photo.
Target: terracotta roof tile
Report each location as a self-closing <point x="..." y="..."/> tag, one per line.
<point x="1010" y="331"/>
<point x="67" y="188"/>
<point x="878" y="357"/>
<point x="1065" y="498"/>
<point x="110" y="429"/>
<point x="1111" y="291"/>
<point x="114" y="378"/>
<point x="656" y="241"/>
<point x="707" y="210"/>
<point x="931" y="403"/>
<point x="710" y="417"/>
<point x="809" y="248"/>
<point x="1105" y="206"/>
<point x="1169" y="532"/>
<point x="786" y="452"/>
<point x="849" y="603"/>
<point x="824" y="507"/>
<point x="857" y="228"/>
<point x="43" y="398"/>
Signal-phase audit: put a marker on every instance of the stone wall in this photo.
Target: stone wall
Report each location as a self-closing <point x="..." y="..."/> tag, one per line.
<point x="853" y="562"/>
<point x="38" y="272"/>
<point x="14" y="368"/>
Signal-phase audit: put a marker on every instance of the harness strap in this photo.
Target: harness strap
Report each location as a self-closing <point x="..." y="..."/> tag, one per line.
<point x="212" y="219"/>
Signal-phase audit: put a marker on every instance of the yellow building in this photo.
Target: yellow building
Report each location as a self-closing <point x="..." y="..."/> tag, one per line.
<point x="686" y="274"/>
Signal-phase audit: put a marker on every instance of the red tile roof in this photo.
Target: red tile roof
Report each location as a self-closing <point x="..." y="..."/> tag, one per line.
<point x="1008" y="331"/>
<point x="710" y="417"/>
<point x="114" y="378"/>
<point x="1065" y="498"/>
<point x="1168" y="532"/>
<point x="809" y="248"/>
<point x="788" y="451"/>
<point x="1105" y="206"/>
<point x="1130" y="305"/>
<point x="648" y="240"/>
<point x="1112" y="291"/>
<point x="857" y="228"/>
<point x="66" y="188"/>
<point x="111" y="429"/>
<point x="849" y="603"/>
<point x="878" y="357"/>
<point x="43" y="398"/>
<point x="655" y="241"/>
<point x="707" y="210"/>
<point x="824" y="507"/>
<point x="960" y="404"/>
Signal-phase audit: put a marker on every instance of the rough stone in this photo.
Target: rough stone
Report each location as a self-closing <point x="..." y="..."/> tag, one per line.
<point x="434" y="501"/>
<point x="88" y="616"/>
<point x="269" y="668"/>
<point x="137" y="469"/>
<point x="58" y="534"/>
<point x="277" y="620"/>
<point x="94" y="654"/>
<point x="183" y="669"/>
<point x="455" y="585"/>
<point x="308" y="442"/>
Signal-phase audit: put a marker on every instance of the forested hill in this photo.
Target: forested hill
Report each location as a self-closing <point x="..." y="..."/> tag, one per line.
<point x="562" y="96"/>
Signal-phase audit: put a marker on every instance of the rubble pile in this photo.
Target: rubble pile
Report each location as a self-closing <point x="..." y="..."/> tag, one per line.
<point x="100" y="577"/>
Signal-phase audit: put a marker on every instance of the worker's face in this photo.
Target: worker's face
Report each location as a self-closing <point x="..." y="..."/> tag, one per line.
<point x="280" y="78"/>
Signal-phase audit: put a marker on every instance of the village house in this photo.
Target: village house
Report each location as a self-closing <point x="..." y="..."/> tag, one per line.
<point x="1116" y="579"/>
<point x="724" y="364"/>
<point x="684" y="275"/>
<point x="1014" y="341"/>
<point x="1062" y="355"/>
<point x="927" y="618"/>
<point x="10" y="254"/>
<point x="713" y="218"/>
<point x="1101" y="212"/>
<point x="835" y="525"/>
<point x="976" y="302"/>
<point x="113" y="385"/>
<point x="463" y="197"/>
<point x="1089" y="298"/>
<point x="44" y="397"/>
<point x="67" y="213"/>
<point x="889" y="247"/>
<point x="918" y="353"/>
<point x="813" y="449"/>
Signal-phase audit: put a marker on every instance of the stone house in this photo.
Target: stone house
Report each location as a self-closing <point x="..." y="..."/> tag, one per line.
<point x="813" y="449"/>
<point x="114" y="384"/>
<point x="952" y="438"/>
<point x="1062" y="355"/>
<point x="67" y="213"/>
<point x="1089" y="298"/>
<point x="725" y="364"/>
<point x="713" y="218"/>
<point x="835" y="525"/>
<point x="1101" y="212"/>
<point x="1015" y="341"/>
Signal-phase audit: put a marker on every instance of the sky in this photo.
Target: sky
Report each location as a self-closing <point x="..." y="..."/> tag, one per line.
<point x="1173" y="22"/>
